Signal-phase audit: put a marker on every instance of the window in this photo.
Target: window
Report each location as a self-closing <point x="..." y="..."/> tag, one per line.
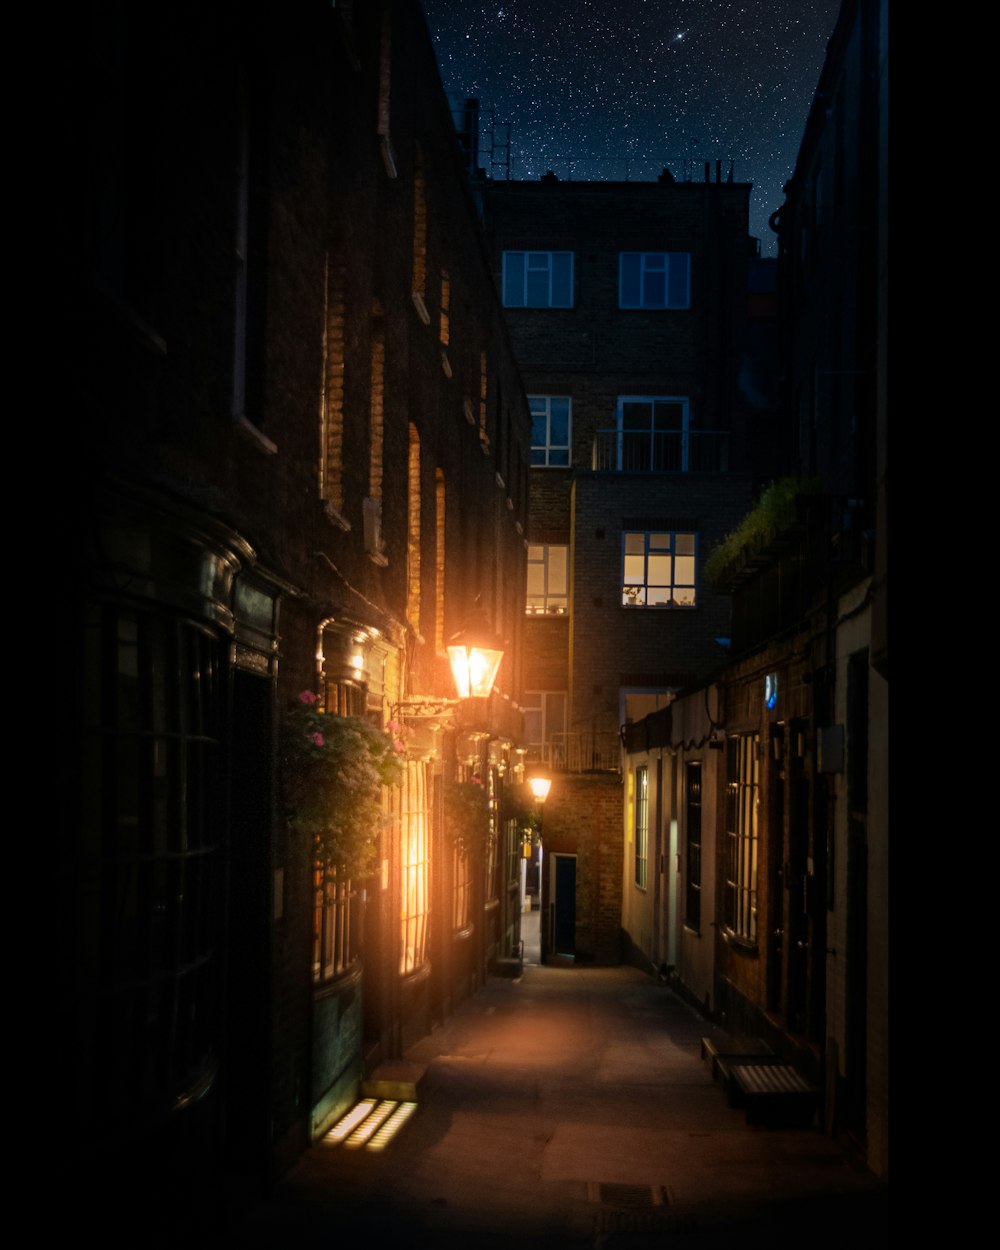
<point x="658" y="569"/>
<point x="538" y="279"/>
<point x="414" y="819"/>
<point x="334" y="924"/>
<point x="545" y="725"/>
<point x="550" y="423"/>
<point x="548" y="581"/>
<point x="652" y="433"/>
<point x="740" y="903"/>
<point x="413" y="532"/>
<point x="641" y="826"/>
<point x="654" y="280"/>
<point x="692" y="856"/>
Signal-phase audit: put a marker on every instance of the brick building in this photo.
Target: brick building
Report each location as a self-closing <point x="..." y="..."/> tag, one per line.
<point x="628" y="308"/>
<point x="767" y="791"/>
<point x="302" y="466"/>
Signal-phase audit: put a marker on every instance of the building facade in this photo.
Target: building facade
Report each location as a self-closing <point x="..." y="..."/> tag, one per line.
<point x="627" y="307"/>
<point x="769" y="789"/>
<point x="302" y="469"/>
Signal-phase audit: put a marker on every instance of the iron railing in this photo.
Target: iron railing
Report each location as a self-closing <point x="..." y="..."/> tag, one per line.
<point x="661" y="451"/>
<point x="587" y="751"/>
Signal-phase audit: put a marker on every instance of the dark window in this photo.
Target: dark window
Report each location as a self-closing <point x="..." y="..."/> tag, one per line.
<point x="692" y="880"/>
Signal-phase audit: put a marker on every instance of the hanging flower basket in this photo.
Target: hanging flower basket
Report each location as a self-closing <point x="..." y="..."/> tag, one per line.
<point x="467" y="815"/>
<point x="333" y="769"/>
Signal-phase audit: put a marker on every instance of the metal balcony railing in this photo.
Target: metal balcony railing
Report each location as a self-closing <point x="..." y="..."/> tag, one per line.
<point x="589" y="751"/>
<point x="661" y="451"/>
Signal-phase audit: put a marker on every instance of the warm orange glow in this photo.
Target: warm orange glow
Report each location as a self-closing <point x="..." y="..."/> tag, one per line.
<point x="474" y="670"/>
<point x="540" y="787"/>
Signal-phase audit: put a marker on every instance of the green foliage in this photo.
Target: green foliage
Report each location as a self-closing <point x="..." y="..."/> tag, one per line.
<point x="775" y="510"/>
<point x="333" y="769"/>
<point x="467" y="814"/>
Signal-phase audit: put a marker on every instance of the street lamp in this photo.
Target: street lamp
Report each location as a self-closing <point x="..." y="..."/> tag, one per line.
<point x="474" y="654"/>
<point x="540" y="786"/>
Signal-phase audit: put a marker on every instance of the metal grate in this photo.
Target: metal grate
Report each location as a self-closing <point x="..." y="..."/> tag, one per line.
<point x="619" y="1195"/>
<point x="770" y="1079"/>
<point x="643" y="1222"/>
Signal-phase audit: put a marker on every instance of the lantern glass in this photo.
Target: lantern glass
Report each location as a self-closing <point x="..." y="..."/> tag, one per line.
<point x="474" y="670"/>
<point x="540" y="787"/>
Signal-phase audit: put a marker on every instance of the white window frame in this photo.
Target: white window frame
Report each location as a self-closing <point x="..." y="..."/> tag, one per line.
<point x="517" y="266"/>
<point x="654" y="456"/>
<point x="654" y="266"/>
<point x="553" y="727"/>
<point x="545" y="561"/>
<point x="659" y="546"/>
<point x="541" y="406"/>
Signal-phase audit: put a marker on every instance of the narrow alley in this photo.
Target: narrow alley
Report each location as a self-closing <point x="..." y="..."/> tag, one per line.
<point x="588" y="1087"/>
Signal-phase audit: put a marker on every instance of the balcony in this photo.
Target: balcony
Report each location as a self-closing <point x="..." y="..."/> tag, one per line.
<point x="660" y="451"/>
<point x="590" y="751"/>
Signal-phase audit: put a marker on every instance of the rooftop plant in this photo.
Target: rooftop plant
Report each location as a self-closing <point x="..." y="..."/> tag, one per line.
<point x="775" y="510"/>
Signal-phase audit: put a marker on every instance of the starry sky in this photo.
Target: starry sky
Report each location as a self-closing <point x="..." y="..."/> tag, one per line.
<point x="621" y="88"/>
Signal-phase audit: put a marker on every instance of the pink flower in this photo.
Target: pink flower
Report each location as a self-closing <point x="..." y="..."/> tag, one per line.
<point x="393" y="726"/>
<point x="317" y="740"/>
<point x="399" y="746"/>
<point x="307" y="696"/>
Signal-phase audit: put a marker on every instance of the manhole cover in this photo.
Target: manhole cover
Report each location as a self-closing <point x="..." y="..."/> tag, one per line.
<point x="618" y="1195"/>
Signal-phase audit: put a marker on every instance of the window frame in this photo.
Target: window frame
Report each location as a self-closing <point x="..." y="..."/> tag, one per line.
<point x="693" y="780"/>
<point x="648" y="271"/>
<point x="552" y="725"/>
<point x="545" y="563"/>
<point x="742" y="831"/>
<point x="517" y="267"/>
<point x="549" y="446"/>
<point x="640" y="827"/>
<point x="658" y="553"/>
<point x="654" y="462"/>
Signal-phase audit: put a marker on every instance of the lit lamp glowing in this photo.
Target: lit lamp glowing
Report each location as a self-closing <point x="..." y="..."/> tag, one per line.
<point x="474" y="655"/>
<point x="540" y="787"/>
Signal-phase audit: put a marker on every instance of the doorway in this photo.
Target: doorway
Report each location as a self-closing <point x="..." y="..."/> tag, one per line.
<point x="562" y="905"/>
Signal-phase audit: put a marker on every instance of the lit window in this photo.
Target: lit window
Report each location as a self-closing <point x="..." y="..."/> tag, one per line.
<point x="658" y="569"/>
<point x="740" y="902"/>
<point x="641" y="826"/>
<point x="538" y="279"/>
<point x="414" y="824"/>
<point x="550" y="430"/>
<point x="548" y="581"/>
<point x="654" y="280"/>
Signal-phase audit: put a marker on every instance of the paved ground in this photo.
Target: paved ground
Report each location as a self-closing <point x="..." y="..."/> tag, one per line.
<point x="571" y="1109"/>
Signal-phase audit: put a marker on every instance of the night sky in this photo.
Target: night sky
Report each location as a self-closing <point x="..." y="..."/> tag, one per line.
<point x="624" y="87"/>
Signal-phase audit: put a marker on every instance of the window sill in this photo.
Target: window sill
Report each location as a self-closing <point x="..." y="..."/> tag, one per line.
<point x="336" y="518"/>
<point x="339" y="982"/>
<point x="417" y="975"/>
<point x="388" y="156"/>
<point x="744" y="945"/>
<point x="421" y="307"/>
<point x="254" y="436"/>
<point x="659" y="607"/>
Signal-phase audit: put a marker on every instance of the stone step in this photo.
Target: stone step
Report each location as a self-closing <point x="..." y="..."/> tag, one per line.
<point x="395" y="1079"/>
